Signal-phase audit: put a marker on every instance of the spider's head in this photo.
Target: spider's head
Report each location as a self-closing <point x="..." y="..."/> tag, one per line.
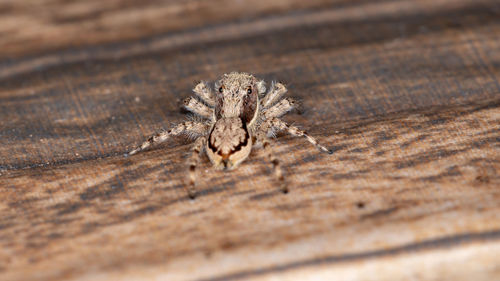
<point x="237" y="95"/>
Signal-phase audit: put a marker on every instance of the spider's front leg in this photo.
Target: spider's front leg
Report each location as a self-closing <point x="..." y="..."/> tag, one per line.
<point x="197" y="107"/>
<point x="188" y="127"/>
<point x="192" y="162"/>
<point x="202" y="90"/>
<point x="280" y="108"/>
<point x="276" y="91"/>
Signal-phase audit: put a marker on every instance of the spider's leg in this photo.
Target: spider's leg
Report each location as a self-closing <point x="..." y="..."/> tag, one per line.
<point x="188" y="127"/>
<point x="198" y="108"/>
<point x="278" y="173"/>
<point x="192" y="162"/>
<point x="275" y="93"/>
<point x="202" y="90"/>
<point x="279" y="109"/>
<point x="294" y="131"/>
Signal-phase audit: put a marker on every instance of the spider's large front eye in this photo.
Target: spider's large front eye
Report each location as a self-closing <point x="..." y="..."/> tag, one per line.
<point x="249" y="91"/>
<point x="220" y="90"/>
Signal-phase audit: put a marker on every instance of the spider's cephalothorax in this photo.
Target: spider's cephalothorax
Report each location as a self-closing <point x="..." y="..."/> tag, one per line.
<point x="236" y="114"/>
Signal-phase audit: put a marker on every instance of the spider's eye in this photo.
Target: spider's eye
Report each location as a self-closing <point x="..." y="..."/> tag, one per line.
<point x="220" y="90"/>
<point x="249" y="91"/>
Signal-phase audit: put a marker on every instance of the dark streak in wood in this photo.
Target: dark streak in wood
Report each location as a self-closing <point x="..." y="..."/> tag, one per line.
<point x="443" y="242"/>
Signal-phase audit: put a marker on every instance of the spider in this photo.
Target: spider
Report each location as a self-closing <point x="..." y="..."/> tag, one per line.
<point x="236" y="116"/>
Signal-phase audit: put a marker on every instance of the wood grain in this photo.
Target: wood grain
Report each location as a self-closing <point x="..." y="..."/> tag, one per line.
<point x="406" y="93"/>
<point x="36" y="26"/>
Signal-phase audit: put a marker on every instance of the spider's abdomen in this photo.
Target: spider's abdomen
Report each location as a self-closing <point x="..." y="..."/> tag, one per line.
<point x="229" y="142"/>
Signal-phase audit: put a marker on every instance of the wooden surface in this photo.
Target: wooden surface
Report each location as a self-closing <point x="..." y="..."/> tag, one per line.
<point x="407" y="94"/>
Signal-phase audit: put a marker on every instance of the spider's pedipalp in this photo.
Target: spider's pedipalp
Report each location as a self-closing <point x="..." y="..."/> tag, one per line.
<point x="280" y="108"/>
<point x="294" y="131"/>
<point x="198" y="108"/>
<point x="181" y="128"/>
<point x="202" y="90"/>
<point x="276" y="91"/>
<point x="192" y="162"/>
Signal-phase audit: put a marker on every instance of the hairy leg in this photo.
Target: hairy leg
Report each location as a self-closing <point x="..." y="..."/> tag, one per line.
<point x="278" y="173"/>
<point x="198" y="108"/>
<point x="192" y="162"/>
<point x="202" y="90"/>
<point x="294" y="131"/>
<point x="279" y="109"/>
<point x="188" y="127"/>
<point x="276" y="91"/>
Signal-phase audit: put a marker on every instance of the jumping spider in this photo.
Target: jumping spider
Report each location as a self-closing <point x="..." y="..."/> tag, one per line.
<point x="236" y="116"/>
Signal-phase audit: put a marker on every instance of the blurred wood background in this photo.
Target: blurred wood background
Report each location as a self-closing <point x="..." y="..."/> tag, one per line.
<point x="407" y="94"/>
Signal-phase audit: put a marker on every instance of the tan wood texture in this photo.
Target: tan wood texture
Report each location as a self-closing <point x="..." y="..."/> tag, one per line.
<point x="406" y="93"/>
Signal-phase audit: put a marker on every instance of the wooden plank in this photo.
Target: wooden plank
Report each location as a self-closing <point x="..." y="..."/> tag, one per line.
<point x="406" y="93"/>
<point x="35" y="26"/>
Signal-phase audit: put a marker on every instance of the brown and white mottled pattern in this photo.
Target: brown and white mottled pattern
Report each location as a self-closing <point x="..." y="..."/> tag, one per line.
<point x="227" y="135"/>
<point x="407" y="94"/>
<point x="232" y="117"/>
